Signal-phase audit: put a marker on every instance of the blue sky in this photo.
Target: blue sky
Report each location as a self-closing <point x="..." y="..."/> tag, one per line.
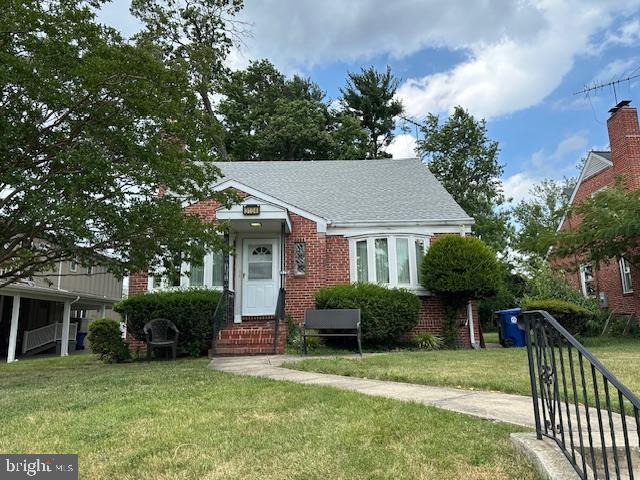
<point x="514" y="62"/>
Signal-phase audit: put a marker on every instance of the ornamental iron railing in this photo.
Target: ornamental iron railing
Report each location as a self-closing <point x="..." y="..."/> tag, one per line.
<point x="222" y="316"/>
<point x="580" y="404"/>
<point x="278" y="317"/>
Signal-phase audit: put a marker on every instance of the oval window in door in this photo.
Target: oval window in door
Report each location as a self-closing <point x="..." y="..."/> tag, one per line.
<point x="260" y="263"/>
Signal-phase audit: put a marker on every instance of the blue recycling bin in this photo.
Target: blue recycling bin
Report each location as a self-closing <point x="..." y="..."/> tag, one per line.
<point x="511" y="334"/>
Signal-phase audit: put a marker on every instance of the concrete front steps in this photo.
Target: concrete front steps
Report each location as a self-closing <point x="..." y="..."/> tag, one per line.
<point x="249" y="338"/>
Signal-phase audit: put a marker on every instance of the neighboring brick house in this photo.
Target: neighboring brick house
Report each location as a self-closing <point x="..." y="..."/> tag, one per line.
<point x="613" y="282"/>
<point x="305" y="225"/>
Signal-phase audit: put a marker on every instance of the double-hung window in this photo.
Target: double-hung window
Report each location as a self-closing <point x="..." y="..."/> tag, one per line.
<point x="625" y="275"/>
<point x="392" y="260"/>
<point x="206" y="273"/>
<point x="587" y="281"/>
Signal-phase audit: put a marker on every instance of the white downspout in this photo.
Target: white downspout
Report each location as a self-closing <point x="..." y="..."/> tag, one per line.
<point x="472" y="332"/>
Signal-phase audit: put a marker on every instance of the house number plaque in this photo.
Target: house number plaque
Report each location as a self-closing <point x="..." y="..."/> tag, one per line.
<point x="251" y="209"/>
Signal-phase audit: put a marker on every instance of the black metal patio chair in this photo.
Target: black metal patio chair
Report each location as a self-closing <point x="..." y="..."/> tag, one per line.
<point x="157" y="332"/>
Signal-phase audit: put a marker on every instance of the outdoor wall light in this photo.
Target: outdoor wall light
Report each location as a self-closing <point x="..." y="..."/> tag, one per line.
<point x="256" y="224"/>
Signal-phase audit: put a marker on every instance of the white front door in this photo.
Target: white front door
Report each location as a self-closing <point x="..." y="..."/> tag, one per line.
<point x="259" y="276"/>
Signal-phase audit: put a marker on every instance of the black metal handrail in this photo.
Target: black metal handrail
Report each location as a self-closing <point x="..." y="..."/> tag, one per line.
<point x="222" y="315"/>
<point x="569" y="405"/>
<point x="278" y="317"/>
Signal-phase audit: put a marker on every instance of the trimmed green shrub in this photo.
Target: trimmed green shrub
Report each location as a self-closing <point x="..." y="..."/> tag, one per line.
<point x="428" y="341"/>
<point x="386" y="313"/>
<point x="190" y="310"/>
<point x="571" y="316"/>
<point x="459" y="269"/>
<point x="106" y="341"/>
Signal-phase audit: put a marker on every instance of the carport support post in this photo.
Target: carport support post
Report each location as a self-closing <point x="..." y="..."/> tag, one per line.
<point x="66" y="319"/>
<point x="103" y="311"/>
<point x="13" y="332"/>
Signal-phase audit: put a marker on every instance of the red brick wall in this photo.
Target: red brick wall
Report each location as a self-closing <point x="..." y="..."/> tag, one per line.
<point x="138" y="283"/>
<point x="337" y="260"/>
<point x="301" y="288"/>
<point x="432" y="315"/>
<point x="624" y="138"/>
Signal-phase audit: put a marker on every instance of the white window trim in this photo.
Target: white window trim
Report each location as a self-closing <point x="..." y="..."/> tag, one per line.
<point x="583" y="280"/>
<point x="393" y="271"/>
<point x="185" y="280"/>
<point x="625" y="268"/>
<point x="73" y="266"/>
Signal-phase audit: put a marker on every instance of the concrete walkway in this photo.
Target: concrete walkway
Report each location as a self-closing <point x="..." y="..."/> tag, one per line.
<point x="502" y="407"/>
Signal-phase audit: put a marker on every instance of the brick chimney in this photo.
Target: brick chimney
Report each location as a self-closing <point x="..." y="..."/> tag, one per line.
<point x="624" y="139"/>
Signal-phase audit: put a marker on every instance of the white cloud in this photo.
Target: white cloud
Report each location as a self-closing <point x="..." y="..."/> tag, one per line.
<point x="403" y="146"/>
<point x="516" y="52"/>
<point x="512" y="74"/>
<point x="518" y="186"/>
<point x="310" y="32"/>
<point x="542" y="164"/>
<point x="628" y="34"/>
<point x="616" y="69"/>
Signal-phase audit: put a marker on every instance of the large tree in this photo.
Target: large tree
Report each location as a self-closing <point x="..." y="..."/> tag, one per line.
<point x="461" y="155"/>
<point x="370" y="95"/>
<point x="270" y="117"/>
<point x="608" y="227"/>
<point x="90" y="126"/>
<point x="538" y="216"/>
<point x="199" y="35"/>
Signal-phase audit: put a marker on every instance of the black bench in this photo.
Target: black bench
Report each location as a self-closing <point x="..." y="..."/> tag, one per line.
<point x="340" y="323"/>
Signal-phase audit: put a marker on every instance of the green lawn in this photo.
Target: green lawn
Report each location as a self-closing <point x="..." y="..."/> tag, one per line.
<point x="181" y="420"/>
<point x="504" y="370"/>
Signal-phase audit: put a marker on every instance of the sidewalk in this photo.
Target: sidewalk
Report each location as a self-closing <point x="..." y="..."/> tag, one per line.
<point x="502" y="407"/>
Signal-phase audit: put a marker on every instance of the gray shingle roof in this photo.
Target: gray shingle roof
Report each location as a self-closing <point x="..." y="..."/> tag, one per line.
<point x="352" y="190"/>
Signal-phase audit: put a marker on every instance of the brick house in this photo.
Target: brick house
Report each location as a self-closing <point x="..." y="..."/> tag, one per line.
<point x="305" y="225"/>
<point x="612" y="283"/>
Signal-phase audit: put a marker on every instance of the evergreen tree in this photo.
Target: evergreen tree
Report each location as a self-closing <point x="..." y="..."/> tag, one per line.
<point x="370" y="95"/>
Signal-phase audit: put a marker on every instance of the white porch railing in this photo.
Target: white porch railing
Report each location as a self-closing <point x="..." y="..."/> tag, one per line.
<point x="48" y="334"/>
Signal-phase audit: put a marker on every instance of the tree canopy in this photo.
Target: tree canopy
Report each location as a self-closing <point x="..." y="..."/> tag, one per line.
<point x="198" y="35"/>
<point x="461" y="155"/>
<point x="608" y="227"/>
<point x="370" y="95"/>
<point x="270" y="117"/>
<point x="90" y="126"/>
<point x="539" y="216"/>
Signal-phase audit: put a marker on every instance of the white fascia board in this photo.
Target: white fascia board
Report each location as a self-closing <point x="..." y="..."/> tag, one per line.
<point x="415" y="228"/>
<point x="320" y="222"/>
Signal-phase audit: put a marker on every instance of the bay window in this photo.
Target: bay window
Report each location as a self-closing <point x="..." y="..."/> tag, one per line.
<point x="392" y="260"/>
<point x="382" y="260"/>
<point x="362" y="261"/>
<point x="402" y="261"/>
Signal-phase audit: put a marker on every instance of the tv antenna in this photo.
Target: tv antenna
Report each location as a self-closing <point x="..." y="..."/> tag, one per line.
<point x="601" y="85"/>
